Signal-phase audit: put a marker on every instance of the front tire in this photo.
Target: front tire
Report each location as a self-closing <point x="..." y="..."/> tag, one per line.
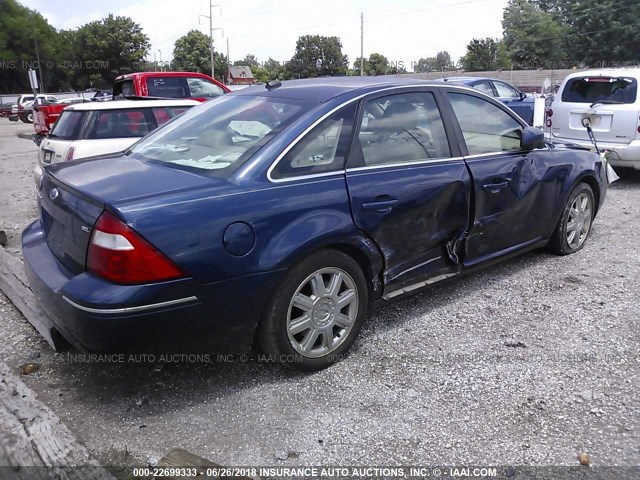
<point x="26" y="118"/>
<point x="316" y="313"/>
<point x="576" y="221"/>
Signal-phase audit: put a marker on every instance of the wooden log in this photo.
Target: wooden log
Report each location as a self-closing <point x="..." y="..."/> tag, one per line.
<point x="14" y="284"/>
<point x="34" y="443"/>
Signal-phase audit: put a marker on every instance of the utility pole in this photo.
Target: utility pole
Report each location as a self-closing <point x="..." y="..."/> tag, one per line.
<point x="228" y="61"/>
<point x="42" y="86"/>
<point x="361" y="44"/>
<point x="211" y="29"/>
<point x="160" y="53"/>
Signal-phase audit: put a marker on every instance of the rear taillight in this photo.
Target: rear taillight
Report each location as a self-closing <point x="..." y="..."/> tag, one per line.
<point x="548" y="123"/>
<point x="70" y="153"/>
<point x="549" y="113"/>
<point x="118" y="254"/>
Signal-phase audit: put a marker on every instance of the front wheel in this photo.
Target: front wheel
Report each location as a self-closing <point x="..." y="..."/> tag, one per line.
<point x="26" y="117"/>
<point x="316" y="313"/>
<point x="574" y="225"/>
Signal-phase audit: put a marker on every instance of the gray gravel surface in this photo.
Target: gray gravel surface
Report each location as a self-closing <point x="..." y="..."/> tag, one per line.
<point x="528" y="363"/>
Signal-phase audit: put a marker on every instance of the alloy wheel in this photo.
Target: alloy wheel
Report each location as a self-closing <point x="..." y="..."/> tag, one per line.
<point x="579" y="221"/>
<point x="322" y="312"/>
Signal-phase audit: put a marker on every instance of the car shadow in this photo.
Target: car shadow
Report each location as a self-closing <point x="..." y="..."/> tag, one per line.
<point x="136" y="386"/>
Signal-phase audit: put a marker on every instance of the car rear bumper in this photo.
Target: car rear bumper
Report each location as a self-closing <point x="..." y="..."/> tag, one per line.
<point x="622" y="155"/>
<point x="180" y="316"/>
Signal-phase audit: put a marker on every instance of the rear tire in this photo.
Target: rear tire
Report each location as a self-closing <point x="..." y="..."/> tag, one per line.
<point x="574" y="226"/>
<point x="25" y="118"/>
<point x="316" y="312"/>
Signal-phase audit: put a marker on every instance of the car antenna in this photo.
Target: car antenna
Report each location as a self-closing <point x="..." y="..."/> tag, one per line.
<point x="273" y="84"/>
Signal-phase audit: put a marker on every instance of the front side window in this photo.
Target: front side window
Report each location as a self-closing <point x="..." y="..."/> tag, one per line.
<point x="220" y="135"/>
<point x="485" y="126"/>
<point x="601" y="89"/>
<point x="322" y="150"/>
<point x="402" y="128"/>
<point x="202" y="88"/>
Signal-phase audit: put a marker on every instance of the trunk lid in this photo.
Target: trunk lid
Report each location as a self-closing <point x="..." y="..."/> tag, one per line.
<point x="73" y="195"/>
<point x="67" y="219"/>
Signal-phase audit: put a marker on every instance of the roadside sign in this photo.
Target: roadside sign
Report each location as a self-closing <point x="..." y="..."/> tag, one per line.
<point x="33" y="79"/>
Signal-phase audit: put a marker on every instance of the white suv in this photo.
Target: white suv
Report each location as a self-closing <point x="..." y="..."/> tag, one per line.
<point x="609" y="101"/>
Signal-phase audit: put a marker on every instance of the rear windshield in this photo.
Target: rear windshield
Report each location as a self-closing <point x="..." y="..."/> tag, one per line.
<point x="67" y="127"/>
<point x="130" y="122"/>
<point x="222" y="134"/>
<point x="600" y="89"/>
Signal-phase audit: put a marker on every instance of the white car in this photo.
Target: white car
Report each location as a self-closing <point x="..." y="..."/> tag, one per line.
<point x="608" y="101"/>
<point x="97" y="128"/>
<point x="23" y="108"/>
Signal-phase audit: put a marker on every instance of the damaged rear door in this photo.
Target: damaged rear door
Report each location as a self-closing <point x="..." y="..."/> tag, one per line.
<point x="408" y="185"/>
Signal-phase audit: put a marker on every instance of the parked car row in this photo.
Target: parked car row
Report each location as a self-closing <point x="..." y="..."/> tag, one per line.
<point x="279" y="214"/>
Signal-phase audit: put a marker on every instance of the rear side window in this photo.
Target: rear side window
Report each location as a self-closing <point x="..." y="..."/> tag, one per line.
<point x="485" y="126"/>
<point x="124" y="89"/>
<point x="600" y="89"/>
<point x="168" y="87"/>
<point x="322" y="150"/>
<point x="67" y="127"/>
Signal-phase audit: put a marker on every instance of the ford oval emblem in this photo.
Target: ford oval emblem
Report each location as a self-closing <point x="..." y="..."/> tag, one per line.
<point x="54" y="193"/>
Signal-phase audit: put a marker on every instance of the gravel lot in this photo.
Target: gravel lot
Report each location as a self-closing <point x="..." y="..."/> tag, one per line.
<point x="528" y="363"/>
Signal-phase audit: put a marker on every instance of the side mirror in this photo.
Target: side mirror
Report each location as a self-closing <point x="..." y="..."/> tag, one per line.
<point x="532" y="138"/>
<point x="523" y="95"/>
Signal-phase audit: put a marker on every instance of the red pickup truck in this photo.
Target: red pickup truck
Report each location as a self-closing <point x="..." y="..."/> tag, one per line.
<point x="197" y="86"/>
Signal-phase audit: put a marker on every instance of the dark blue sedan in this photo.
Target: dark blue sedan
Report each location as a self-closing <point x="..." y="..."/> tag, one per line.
<point x="513" y="98"/>
<point x="279" y="214"/>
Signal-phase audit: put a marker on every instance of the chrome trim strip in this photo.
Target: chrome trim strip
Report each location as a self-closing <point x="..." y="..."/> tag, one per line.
<point x="130" y="309"/>
<point x="328" y="114"/>
<point x="493" y="154"/>
<point x="418" y="285"/>
<point x="420" y="265"/>
<point x="403" y="164"/>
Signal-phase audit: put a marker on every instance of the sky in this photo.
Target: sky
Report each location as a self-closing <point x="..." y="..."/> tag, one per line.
<point x="402" y="30"/>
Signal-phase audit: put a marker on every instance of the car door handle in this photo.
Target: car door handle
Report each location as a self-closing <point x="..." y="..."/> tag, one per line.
<point x="381" y="206"/>
<point x="495" y="187"/>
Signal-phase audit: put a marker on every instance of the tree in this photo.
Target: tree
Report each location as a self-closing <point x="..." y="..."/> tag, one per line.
<point x="107" y="48"/>
<point x="357" y="64"/>
<point x="20" y="29"/>
<point x="443" y="61"/>
<point x="485" y="54"/>
<point x="605" y="33"/>
<point x="249" y="61"/>
<point x="378" y="64"/>
<point x="191" y="53"/>
<point x="317" y="56"/>
<point x="533" y="37"/>
<point x="425" y="65"/>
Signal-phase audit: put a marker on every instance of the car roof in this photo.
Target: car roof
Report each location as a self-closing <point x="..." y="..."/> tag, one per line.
<point x="128" y="76"/>
<point x="607" y="72"/>
<point x="323" y="89"/>
<point x="122" y="104"/>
